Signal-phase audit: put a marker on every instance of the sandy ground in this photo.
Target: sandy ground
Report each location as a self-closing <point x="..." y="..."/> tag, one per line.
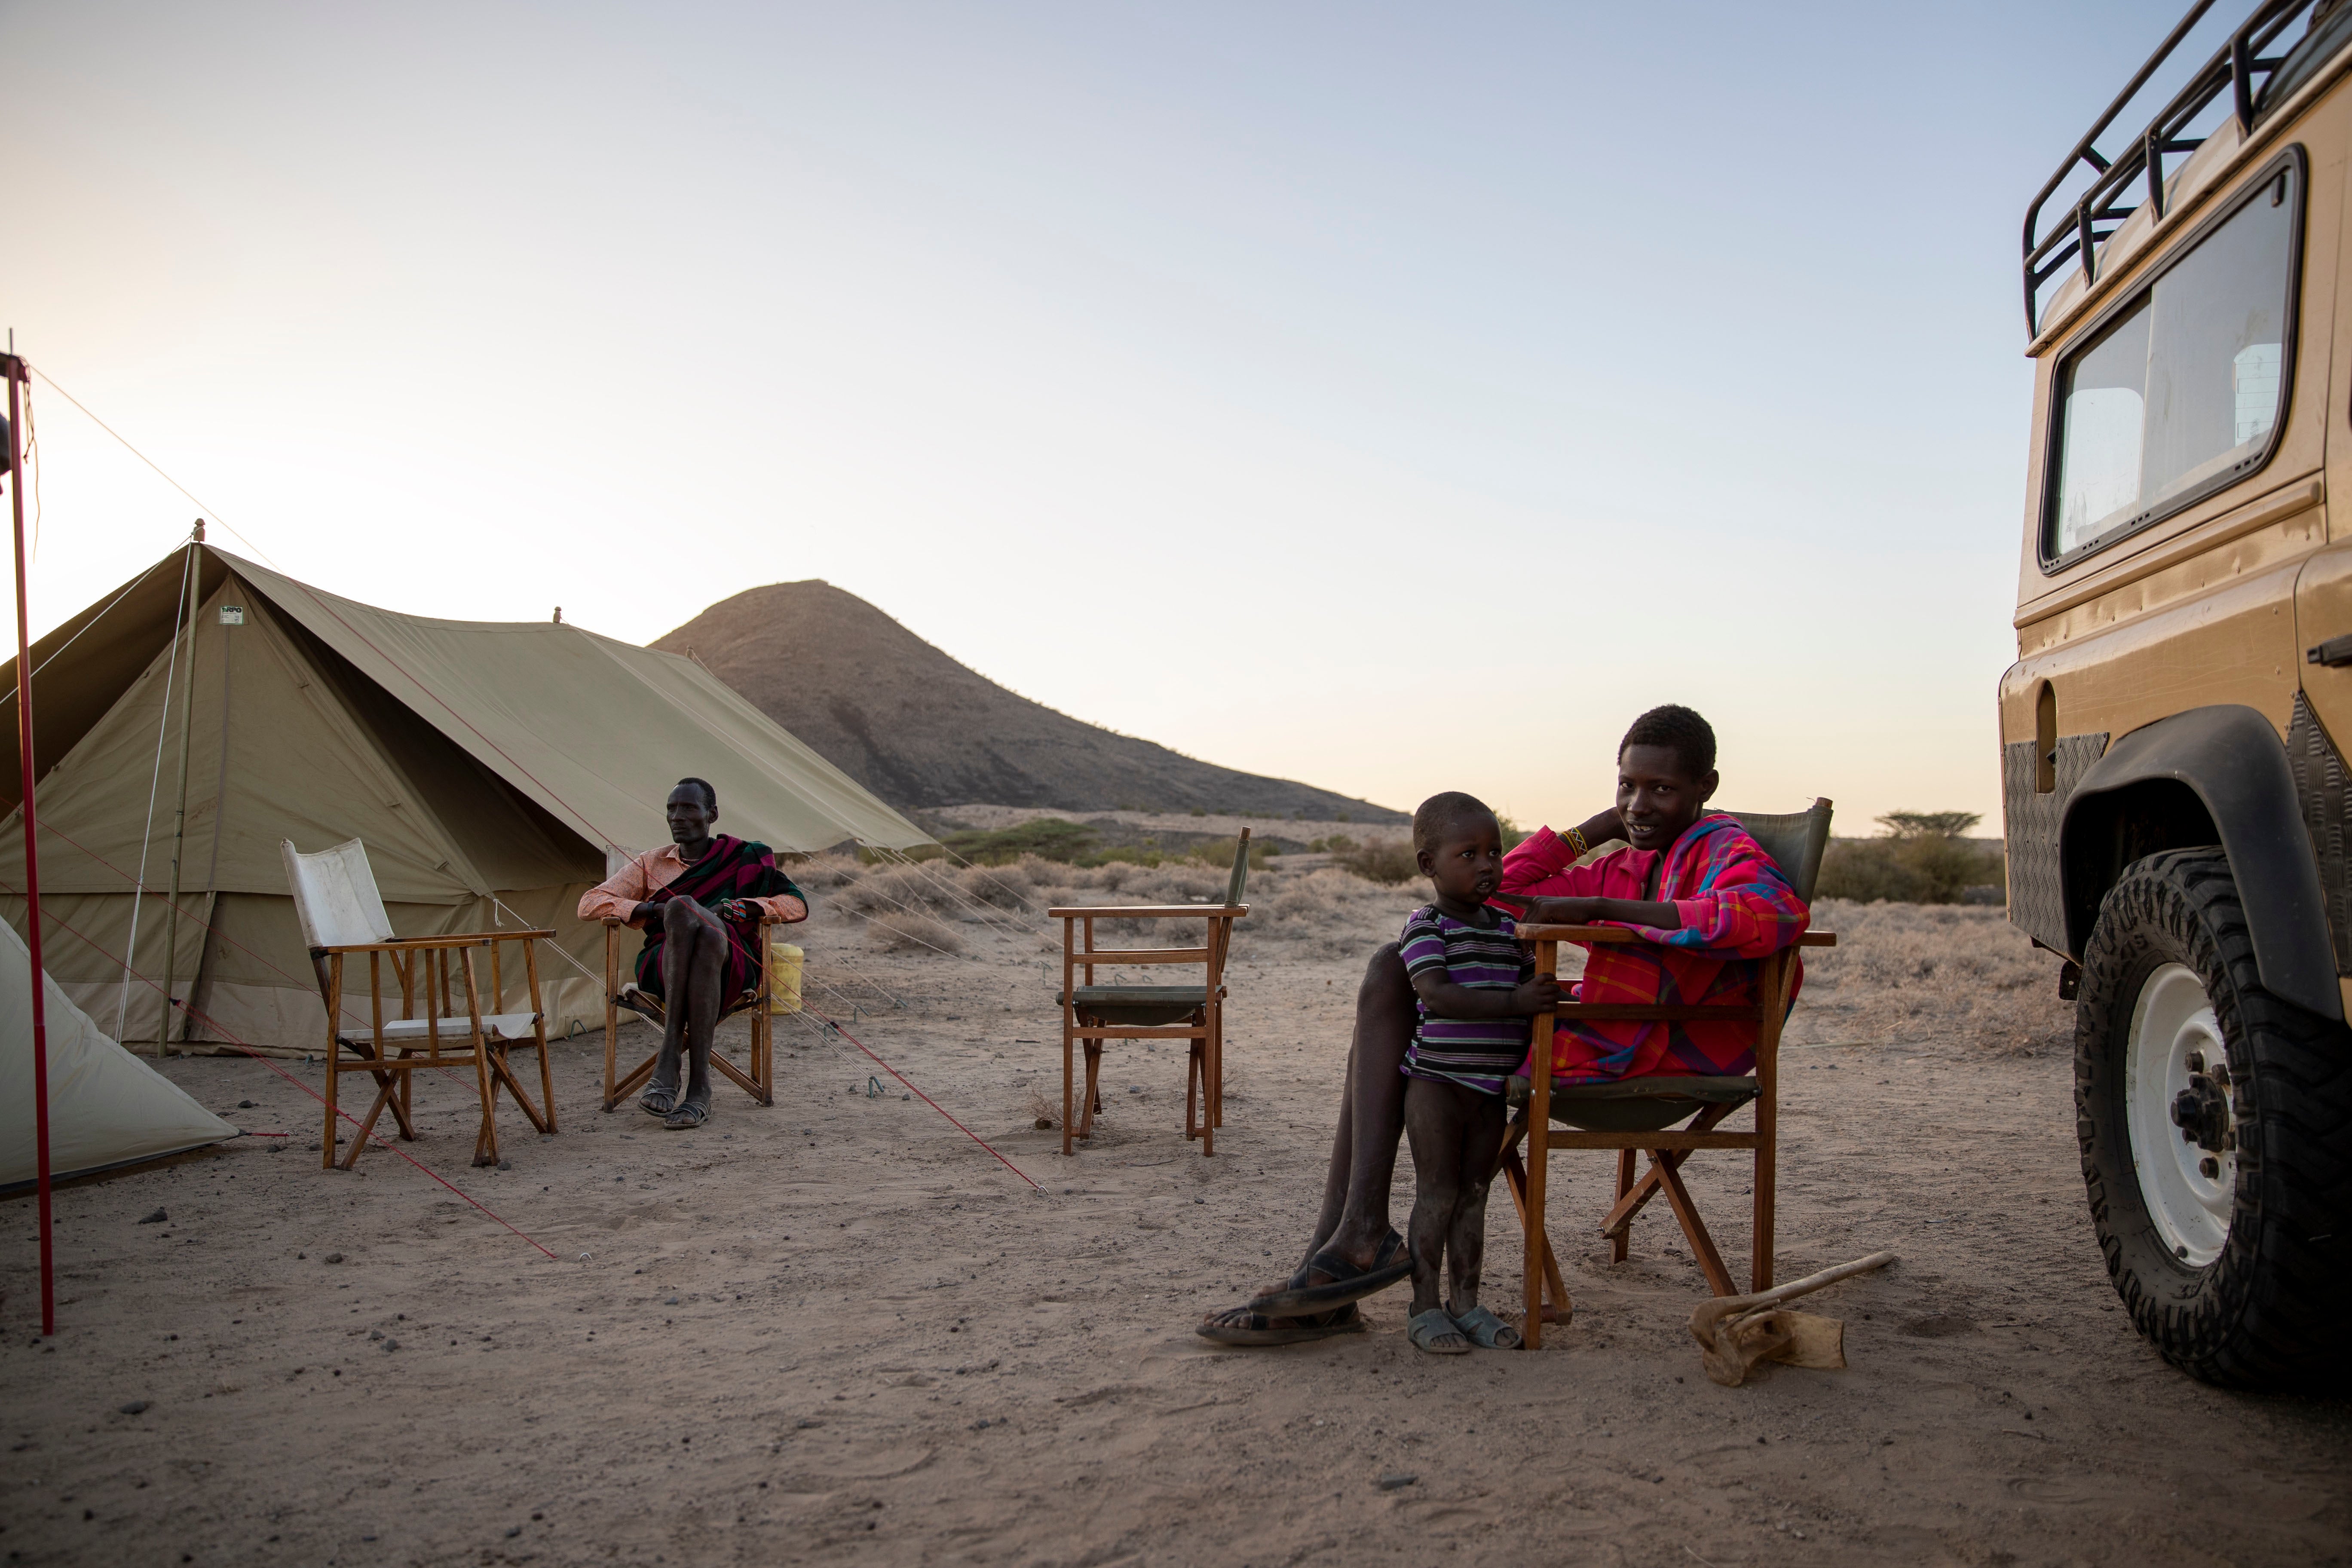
<point x="839" y="1331"/>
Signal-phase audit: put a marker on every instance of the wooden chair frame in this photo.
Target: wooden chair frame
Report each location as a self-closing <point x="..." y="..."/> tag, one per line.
<point x="394" y="1063"/>
<point x="759" y="1082"/>
<point x="1205" y="1072"/>
<point x="1546" y="1294"/>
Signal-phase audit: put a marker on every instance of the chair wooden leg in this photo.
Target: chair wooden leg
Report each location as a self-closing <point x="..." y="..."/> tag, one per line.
<point x="1710" y="1262"/>
<point x="334" y="1056"/>
<point x="539" y="1032"/>
<point x="1068" y="1123"/>
<point x="384" y="1097"/>
<point x="503" y="1072"/>
<point x="1618" y="1239"/>
<point x="1631" y="1201"/>
<point x="1090" y="1101"/>
<point x="1759" y="1265"/>
<point x="1557" y="1308"/>
<point x="742" y="1079"/>
<point x="1213" y="1086"/>
<point x="1194" y="1065"/>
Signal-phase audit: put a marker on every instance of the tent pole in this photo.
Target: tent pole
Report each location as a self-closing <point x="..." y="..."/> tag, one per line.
<point x="207" y="952"/>
<point x="13" y="369"/>
<point x="180" y="823"/>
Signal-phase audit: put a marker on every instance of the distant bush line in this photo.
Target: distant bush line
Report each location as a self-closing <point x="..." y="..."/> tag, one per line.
<point x="1075" y="844"/>
<point x="1922" y="858"/>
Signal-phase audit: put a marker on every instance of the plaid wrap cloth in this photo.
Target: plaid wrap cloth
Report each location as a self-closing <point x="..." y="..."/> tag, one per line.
<point x="1736" y="908"/>
<point x="731" y="869"/>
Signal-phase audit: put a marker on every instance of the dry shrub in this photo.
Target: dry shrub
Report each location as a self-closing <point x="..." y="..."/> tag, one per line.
<point x="911" y="933"/>
<point x="1006" y="887"/>
<point x="894" y="890"/>
<point x="1385" y="860"/>
<point x="1923" y="870"/>
<point x="821" y="873"/>
<point x="1330" y="913"/>
<point x="1923" y="973"/>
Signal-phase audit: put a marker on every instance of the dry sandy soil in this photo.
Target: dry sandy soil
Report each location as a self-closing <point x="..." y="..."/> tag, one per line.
<point x="839" y="1331"/>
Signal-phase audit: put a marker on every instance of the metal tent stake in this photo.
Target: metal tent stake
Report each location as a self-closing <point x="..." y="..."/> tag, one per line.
<point x="13" y="369"/>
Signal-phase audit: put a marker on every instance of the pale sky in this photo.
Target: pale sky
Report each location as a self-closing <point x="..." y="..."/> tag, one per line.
<point x="1394" y="398"/>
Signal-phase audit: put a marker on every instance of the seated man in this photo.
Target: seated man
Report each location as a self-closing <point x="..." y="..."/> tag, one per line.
<point x="1694" y="881"/>
<point x="699" y="902"/>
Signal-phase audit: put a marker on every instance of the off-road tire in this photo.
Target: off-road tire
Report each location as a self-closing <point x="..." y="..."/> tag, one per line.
<point x="2258" y="1315"/>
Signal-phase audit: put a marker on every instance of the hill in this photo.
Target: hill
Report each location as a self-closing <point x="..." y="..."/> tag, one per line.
<point x="922" y="730"/>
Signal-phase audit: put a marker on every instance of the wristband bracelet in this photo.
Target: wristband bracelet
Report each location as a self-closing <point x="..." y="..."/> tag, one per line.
<point x="1576" y="842"/>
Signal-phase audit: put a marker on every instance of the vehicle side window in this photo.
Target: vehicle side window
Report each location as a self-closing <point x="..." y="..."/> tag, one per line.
<point x="2180" y="390"/>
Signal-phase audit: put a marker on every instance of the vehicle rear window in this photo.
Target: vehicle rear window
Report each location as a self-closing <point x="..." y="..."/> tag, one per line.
<point x="2180" y="390"/>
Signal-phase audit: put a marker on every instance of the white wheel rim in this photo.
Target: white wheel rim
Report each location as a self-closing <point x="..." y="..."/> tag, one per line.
<point x="2172" y="1020"/>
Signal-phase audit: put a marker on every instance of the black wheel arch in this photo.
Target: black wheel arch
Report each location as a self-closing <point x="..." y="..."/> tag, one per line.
<point x="2209" y="775"/>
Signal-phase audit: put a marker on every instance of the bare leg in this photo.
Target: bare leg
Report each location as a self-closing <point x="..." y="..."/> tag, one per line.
<point x="1484" y="1122"/>
<point x="680" y="929"/>
<point x="1355" y="1217"/>
<point x="1436" y="1119"/>
<point x="700" y="1004"/>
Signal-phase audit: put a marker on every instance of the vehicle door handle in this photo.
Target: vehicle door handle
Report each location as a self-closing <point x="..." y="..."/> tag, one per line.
<point x="2335" y="653"/>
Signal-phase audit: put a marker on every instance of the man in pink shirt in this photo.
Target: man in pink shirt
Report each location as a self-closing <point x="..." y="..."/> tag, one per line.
<point x="1692" y="881"/>
<point x="699" y="901"/>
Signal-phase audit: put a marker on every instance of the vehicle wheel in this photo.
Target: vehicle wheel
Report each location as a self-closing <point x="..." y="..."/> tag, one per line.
<point x="2216" y="1130"/>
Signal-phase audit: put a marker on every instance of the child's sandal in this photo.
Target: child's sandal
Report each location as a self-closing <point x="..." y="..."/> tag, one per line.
<point x="1436" y="1333"/>
<point x="1486" y="1331"/>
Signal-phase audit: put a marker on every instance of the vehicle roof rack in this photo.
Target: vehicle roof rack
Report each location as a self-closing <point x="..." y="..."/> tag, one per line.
<point x="2238" y="68"/>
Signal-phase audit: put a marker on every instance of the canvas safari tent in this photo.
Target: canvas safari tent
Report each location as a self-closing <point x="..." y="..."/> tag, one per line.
<point x="493" y="770"/>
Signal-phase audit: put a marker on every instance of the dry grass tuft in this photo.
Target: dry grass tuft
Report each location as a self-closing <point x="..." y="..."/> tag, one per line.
<point x="1389" y="861"/>
<point x="1000" y="887"/>
<point x="823" y="873"/>
<point x="911" y="933"/>
<point x="1932" y="974"/>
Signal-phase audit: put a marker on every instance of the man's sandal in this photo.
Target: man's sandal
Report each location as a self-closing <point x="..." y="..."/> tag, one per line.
<point x="1242" y="1326"/>
<point x="1437" y="1333"/>
<point x="657" y="1101"/>
<point x="1343" y="1281"/>
<point x="687" y="1117"/>
<point x="1486" y="1331"/>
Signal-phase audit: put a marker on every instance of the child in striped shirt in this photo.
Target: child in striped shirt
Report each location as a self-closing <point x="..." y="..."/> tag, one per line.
<point x="1477" y="988"/>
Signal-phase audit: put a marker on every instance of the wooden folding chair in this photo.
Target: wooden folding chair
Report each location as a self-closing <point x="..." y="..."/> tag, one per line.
<point x="758" y="1078"/>
<point x="341" y="913"/>
<point x="1095" y="1013"/>
<point x="1635" y="1115"/>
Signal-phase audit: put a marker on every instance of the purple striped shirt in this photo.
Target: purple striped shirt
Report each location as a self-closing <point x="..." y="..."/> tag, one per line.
<point x="1477" y="1053"/>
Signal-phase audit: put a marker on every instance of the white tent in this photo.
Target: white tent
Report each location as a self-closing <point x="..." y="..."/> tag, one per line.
<point x="106" y="1106"/>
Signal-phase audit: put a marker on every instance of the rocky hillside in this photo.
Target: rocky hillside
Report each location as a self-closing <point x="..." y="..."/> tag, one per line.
<point x="922" y="730"/>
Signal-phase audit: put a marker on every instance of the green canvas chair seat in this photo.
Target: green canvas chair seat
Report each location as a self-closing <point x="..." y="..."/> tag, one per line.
<point x="1636" y="1104"/>
<point x="1145" y="1007"/>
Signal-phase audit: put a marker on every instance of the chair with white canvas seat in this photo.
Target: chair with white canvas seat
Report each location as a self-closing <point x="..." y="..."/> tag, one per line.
<point x="343" y="914"/>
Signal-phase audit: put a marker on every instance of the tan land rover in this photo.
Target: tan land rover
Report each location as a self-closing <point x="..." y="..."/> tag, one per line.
<point x="2174" y="729"/>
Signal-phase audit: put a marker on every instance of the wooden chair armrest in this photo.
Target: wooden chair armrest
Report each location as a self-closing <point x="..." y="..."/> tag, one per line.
<point x="1627" y="934"/>
<point x="1152" y="911"/>
<point x="407" y="944"/>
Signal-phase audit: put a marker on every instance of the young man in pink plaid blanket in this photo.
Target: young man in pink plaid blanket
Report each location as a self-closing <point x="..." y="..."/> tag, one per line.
<point x="1690" y="880"/>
